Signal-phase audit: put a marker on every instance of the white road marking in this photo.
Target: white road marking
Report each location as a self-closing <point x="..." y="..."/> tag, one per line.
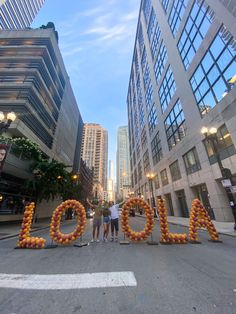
<point x="68" y="281"/>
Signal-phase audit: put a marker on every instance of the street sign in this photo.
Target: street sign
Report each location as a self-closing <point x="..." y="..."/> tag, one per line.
<point x="226" y="183"/>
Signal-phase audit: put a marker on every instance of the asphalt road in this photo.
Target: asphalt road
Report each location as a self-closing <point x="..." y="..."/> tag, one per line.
<point x="170" y="278"/>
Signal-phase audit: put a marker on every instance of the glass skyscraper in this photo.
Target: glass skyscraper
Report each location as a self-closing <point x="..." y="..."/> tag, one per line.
<point x="18" y="14"/>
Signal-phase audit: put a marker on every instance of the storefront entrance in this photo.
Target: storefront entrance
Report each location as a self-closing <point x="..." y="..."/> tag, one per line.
<point x="182" y="203"/>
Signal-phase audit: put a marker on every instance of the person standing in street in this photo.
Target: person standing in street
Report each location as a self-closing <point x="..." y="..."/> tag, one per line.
<point x="97" y="220"/>
<point x="106" y="222"/>
<point x="114" y="209"/>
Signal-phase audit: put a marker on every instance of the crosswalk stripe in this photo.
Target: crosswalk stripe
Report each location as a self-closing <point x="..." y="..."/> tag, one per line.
<point x="67" y="281"/>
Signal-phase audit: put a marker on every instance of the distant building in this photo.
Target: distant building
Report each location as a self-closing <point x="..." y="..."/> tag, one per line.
<point x="94" y="153"/>
<point x="18" y="14"/>
<point x="110" y="182"/>
<point x="123" y="163"/>
<point x="183" y="78"/>
<point x="86" y="180"/>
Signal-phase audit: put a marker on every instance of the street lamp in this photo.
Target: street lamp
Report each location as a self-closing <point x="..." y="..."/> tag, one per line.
<point x="211" y="136"/>
<point x="151" y="177"/>
<point x="6" y="120"/>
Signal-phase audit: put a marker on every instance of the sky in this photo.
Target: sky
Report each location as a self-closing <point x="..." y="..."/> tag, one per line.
<point x="96" y="40"/>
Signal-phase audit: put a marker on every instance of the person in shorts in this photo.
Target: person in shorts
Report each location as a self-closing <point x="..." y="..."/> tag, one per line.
<point x="106" y="222"/>
<point x="97" y="219"/>
<point x="114" y="208"/>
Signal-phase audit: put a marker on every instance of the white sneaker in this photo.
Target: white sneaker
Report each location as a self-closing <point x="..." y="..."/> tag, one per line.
<point x="92" y="241"/>
<point x="116" y="239"/>
<point x="97" y="240"/>
<point x="105" y="239"/>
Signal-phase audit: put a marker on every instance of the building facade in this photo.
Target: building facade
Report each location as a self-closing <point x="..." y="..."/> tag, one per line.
<point x="123" y="163"/>
<point x="110" y="182"/>
<point x="94" y="152"/>
<point x="182" y="79"/>
<point x="35" y="85"/>
<point x="18" y="14"/>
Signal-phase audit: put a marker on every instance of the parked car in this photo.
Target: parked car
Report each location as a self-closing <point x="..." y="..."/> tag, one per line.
<point x="89" y="213"/>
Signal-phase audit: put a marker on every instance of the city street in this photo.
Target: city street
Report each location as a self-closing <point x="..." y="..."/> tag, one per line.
<point x="135" y="278"/>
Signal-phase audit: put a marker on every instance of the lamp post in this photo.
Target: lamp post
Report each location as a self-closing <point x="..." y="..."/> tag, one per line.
<point x="211" y="136"/>
<point x="151" y="177"/>
<point x="6" y="120"/>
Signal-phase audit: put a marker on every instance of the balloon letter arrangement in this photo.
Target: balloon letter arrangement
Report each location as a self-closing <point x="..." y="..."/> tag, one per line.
<point x="200" y="218"/>
<point x="55" y="233"/>
<point x="166" y="236"/>
<point x="146" y="232"/>
<point x="25" y="240"/>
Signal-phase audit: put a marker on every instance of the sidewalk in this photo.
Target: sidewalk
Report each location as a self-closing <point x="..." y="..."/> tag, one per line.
<point x="226" y="228"/>
<point x="13" y="229"/>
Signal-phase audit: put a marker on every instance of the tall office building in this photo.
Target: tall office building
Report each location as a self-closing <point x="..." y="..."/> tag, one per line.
<point x="94" y="152"/>
<point x="110" y="182"/>
<point x="18" y="14"/>
<point x="183" y="78"/>
<point x="35" y="85"/>
<point x="123" y="162"/>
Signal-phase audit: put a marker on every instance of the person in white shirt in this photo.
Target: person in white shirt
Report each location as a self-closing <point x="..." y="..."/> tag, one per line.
<point x="114" y="208"/>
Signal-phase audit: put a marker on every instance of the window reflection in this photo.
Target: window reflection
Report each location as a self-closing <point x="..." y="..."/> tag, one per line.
<point x="196" y="27"/>
<point x="175" y="125"/>
<point x="214" y="77"/>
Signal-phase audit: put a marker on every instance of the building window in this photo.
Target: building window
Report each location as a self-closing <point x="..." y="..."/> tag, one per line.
<point x="134" y="159"/>
<point x="167" y="89"/>
<point x="136" y="62"/>
<point x="152" y="119"/>
<point x="175" y="125"/>
<point x="223" y="145"/>
<point x="156" y="149"/>
<point x="196" y="27"/>
<point x="175" y="172"/>
<point x="149" y="97"/>
<point x="141" y="117"/>
<point x="176" y="14"/>
<point x="146" y="9"/>
<point x="140" y="171"/>
<point x="146" y="164"/>
<point x="152" y="25"/>
<point x="140" y="39"/>
<point x="164" y="177"/>
<point x="138" y="149"/>
<point x="156" y="182"/>
<point x="146" y="76"/>
<point x="191" y="161"/>
<point x="165" y="4"/>
<point x="135" y="176"/>
<point x="144" y="60"/>
<point x="160" y="62"/>
<point x="216" y="74"/>
<point x="155" y="41"/>
<point x="143" y="138"/>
